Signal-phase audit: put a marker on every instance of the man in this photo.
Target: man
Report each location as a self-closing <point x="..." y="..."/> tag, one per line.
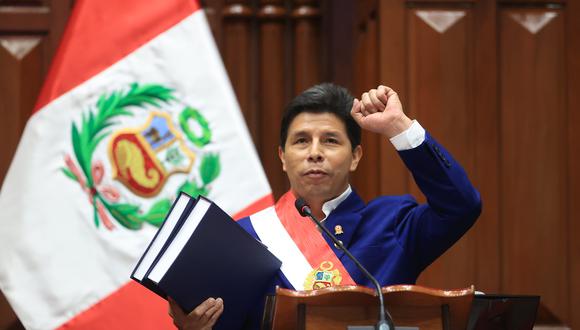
<point x="394" y="237"/>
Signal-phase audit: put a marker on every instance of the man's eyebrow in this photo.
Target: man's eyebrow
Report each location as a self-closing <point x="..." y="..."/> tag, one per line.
<point x="299" y="133"/>
<point x="332" y="133"/>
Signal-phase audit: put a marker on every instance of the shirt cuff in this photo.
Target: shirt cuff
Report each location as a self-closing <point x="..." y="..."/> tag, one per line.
<point x="411" y="138"/>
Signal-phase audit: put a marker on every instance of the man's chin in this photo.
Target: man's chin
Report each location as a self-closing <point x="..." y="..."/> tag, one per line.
<point x="316" y="192"/>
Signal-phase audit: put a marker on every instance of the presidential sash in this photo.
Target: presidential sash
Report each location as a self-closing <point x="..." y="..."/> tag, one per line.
<point x="308" y="262"/>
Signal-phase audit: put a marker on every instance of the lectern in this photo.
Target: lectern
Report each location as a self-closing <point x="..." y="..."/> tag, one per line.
<point x="343" y="306"/>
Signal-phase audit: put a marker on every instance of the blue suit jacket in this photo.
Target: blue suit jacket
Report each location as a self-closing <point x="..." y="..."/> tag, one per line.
<point x="394" y="237"/>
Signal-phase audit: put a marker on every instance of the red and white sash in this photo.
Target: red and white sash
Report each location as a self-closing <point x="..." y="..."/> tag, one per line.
<point x="307" y="260"/>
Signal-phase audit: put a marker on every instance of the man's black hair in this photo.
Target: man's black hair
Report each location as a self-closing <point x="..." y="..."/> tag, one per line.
<point x="323" y="98"/>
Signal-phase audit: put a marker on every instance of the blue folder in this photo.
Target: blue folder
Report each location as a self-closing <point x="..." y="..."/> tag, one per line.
<point x="219" y="259"/>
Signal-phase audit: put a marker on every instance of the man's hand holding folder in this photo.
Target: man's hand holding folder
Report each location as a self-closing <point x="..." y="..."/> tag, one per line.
<point x="203" y="317"/>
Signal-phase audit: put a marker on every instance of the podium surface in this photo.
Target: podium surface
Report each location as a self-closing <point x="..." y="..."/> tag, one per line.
<point x="343" y="306"/>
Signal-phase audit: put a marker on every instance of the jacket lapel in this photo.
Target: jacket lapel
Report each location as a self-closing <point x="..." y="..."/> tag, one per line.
<point x="344" y="220"/>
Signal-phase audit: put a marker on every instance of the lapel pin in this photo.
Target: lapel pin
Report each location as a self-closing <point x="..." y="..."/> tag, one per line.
<point x="338" y="230"/>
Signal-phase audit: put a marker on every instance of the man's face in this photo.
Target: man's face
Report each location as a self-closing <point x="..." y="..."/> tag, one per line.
<point x="318" y="156"/>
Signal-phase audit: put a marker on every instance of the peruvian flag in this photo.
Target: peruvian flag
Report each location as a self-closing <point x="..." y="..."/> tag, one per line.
<point x="137" y="106"/>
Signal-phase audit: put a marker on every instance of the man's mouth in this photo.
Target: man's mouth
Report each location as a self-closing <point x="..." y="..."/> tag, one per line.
<point x="315" y="173"/>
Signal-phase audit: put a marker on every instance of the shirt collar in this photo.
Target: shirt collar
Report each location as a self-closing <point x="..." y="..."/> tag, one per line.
<point x="332" y="204"/>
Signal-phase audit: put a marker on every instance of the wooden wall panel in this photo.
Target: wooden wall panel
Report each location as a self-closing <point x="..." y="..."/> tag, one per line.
<point x="24" y="18"/>
<point x="59" y="13"/>
<point x="217" y="13"/>
<point x="440" y="77"/>
<point x="21" y="59"/>
<point x="392" y="43"/>
<point x="534" y="155"/>
<point x="307" y="45"/>
<point x="239" y="57"/>
<point x="338" y="37"/>
<point x="272" y="82"/>
<point x="8" y="320"/>
<point x="366" y="180"/>
<point x="573" y="96"/>
<point x="486" y="147"/>
<point x="440" y="96"/>
<point x="29" y="34"/>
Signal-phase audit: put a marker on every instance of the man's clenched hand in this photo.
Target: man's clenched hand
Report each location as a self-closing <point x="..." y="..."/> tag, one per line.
<point x="380" y="110"/>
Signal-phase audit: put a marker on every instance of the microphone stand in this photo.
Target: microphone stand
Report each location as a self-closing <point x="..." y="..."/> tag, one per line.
<point x="385" y="321"/>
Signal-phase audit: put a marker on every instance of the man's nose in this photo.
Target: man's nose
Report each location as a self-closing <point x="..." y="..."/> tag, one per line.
<point x="315" y="153"/>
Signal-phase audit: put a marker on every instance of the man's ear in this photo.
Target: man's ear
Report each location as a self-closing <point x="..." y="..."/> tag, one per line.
<point x="356" y="156"/>
<point x="281" y="155"/>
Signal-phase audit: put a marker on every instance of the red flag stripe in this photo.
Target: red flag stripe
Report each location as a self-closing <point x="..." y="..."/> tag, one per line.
<point x="130" y="307"/>
<point x="93" y="42"/>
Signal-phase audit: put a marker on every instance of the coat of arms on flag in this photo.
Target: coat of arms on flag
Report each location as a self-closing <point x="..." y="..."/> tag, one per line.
<point x="142" y="158"/>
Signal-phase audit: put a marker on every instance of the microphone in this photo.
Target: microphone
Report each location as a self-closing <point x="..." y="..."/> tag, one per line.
<point x="385" y="320"/>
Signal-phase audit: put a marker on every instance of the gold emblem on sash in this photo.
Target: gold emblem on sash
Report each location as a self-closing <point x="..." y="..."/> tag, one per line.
<point x="322" y="277"/>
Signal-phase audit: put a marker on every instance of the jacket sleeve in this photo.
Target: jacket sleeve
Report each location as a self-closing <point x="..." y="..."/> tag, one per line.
<point x="426" y="231"/>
